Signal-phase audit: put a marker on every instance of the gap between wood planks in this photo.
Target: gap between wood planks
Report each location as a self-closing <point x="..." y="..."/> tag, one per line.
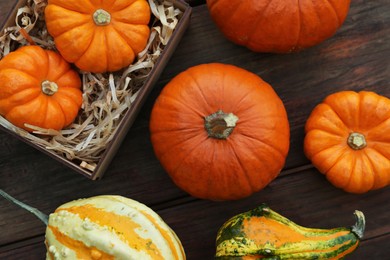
<point x="188" y="199"/>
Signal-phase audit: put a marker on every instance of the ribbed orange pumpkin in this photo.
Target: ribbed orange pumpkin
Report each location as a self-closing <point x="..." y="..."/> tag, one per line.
<point x="38" y="87"/>
<point x="110" y="227"/>
<point x="278" y="25"/>
<point x="99" y="36"/>
<point x="220" y="131"/>
<point x="348" y="140"/>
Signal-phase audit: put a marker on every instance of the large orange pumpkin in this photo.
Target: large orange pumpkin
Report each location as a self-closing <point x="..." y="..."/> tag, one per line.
<point x="99" y="36"/>
<point x="38" y="87"/>
<point x="348" y="140"/>
<point x="220" y="131"/>
<point x="278" y="25"/>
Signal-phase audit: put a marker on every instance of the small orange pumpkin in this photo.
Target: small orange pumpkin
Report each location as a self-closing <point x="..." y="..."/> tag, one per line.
<point x="278" y="25"/>
<point x="220" y="131"/>
<point x="38" y="87"/>
<point x="347" y="139"/>
<point x="99" y="36"/>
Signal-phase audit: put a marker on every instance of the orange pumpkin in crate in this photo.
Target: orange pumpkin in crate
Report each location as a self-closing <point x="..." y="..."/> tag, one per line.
<point x="110" y="227"/>
<point x="38" y="87"/>
<point x="278" y="25"/>
<point x="347" y="139"/>
<point x="220" y="131"/>
<point x="99" y="36"/>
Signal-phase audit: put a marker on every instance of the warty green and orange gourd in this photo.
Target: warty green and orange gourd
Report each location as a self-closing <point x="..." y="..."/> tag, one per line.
<point x="262" y="233"/>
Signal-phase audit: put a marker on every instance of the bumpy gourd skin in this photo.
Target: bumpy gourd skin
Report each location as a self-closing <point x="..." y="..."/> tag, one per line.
<point x="278" y="25"/>
<point x="38" y="87"/>
<point x="264" y="234"/>
<point x="109" y="227"/>
<point x="102" y="41"/>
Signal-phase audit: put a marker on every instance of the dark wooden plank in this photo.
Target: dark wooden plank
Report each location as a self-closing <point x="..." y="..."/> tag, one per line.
<point x="6" y="7"/>
<point x="370" y="249"/>
<point x="197" y="222"/>
<point x="33" y="248"/>
<point x="355" y="58"/>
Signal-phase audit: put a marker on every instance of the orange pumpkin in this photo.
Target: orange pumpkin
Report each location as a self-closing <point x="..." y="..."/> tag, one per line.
<point x="278" y="25"/>
<point x="38" y="87"/>
<point x="99" y="36"/>
<point x="347" y="139"/>
<point x="220" y="131"/>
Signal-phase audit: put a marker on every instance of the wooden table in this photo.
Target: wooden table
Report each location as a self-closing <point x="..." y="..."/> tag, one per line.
<point x="356" y="58"/>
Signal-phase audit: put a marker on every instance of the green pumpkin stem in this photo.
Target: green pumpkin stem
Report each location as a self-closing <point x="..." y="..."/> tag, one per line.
<point x="49" y="88"/>
<point x="220" y="125"/>
<point x="101" y="17"/>
<point x="356" y="141"/>
<point x="43" y="217"/>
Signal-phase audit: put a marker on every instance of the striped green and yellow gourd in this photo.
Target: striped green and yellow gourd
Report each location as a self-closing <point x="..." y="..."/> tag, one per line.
<point x="264" y="234"/>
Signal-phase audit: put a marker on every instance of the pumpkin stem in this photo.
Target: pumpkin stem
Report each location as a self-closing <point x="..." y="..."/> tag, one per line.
<point x="220" y="125"/>
<point x="360" y="225"/>
<point x="356" y="141"/>
<point x="43" y="217"/>
<point x="49" y="88"/>
<point x="101" y="17"/>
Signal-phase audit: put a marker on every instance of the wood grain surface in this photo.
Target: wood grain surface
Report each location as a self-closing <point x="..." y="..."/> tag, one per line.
<point x="355" y="58"/>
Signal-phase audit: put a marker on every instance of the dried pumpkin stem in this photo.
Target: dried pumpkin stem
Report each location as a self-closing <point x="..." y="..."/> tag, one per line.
<point x="49" y="88"/>
<point x="101" y="17"/>
<point x="360" y="224"/>
<point x="43" y="217"/>
<point x="220" y="125"/>
<point x="356" y="141"/>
